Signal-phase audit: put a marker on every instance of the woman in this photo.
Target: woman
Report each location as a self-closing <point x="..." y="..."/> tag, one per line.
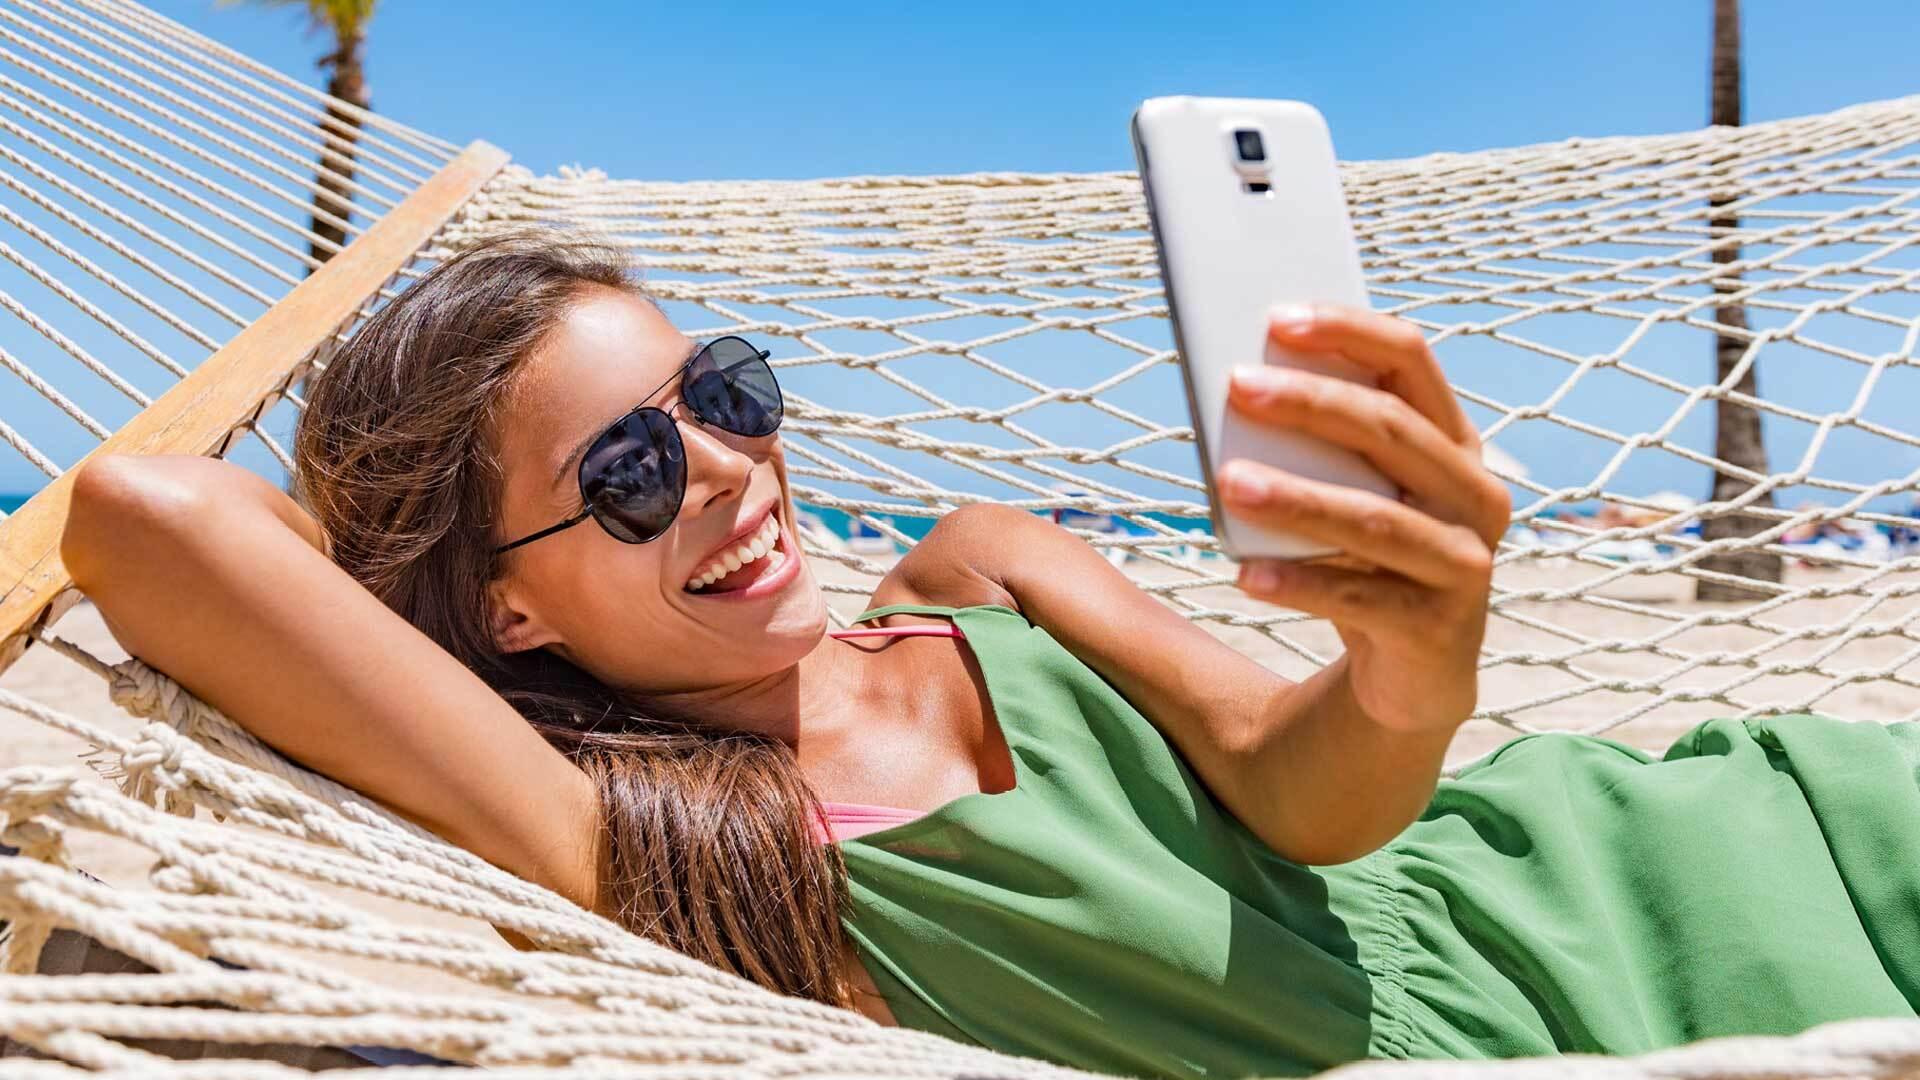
<point x="565" y="624"/>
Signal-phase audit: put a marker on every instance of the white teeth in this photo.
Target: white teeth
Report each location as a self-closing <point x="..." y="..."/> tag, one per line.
<point x="763" y="545"/>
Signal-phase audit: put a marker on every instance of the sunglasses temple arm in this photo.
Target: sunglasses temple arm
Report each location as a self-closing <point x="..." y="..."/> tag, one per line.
<point x="576" y="519"/>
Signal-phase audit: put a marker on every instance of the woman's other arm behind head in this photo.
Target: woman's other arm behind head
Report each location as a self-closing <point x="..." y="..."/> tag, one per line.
<point x="212" y="575"/>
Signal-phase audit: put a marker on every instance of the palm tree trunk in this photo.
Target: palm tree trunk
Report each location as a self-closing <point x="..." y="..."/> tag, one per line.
<point x="348" y="83"/>
<point x="1737" y="435"/>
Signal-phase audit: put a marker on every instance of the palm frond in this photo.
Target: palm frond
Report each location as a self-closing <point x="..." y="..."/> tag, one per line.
<point x="346" y="18"/>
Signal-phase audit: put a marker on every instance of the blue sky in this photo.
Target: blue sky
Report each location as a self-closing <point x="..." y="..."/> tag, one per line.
<point x="715" y="90"/>
<point x="691" y="90"/>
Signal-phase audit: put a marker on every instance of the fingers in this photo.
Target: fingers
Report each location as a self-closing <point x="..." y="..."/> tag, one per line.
<point x="1393" y="348"/>
<point x="1388" y="534"/>
<point x="1444" y="477"/>
<point x="1369" y="602"/>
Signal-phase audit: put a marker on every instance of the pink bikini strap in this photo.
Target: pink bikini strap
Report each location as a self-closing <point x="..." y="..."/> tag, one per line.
<point x="845" y="821"/>
<point x="946" y="630"/>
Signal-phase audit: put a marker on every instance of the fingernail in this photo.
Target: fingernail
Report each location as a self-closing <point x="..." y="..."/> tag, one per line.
<point x="1259" y="380"/>
<point x="1292" y="318"/>
<point x="1242" y="485"/>
<point x="1259" y="577"/>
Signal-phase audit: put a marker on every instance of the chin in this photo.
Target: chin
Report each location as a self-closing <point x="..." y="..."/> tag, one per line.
<point x="801" y="615"/>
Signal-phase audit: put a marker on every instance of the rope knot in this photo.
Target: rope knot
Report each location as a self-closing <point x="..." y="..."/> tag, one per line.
<point x="152" y="768"/>
<point x="32" y="789"/>
<point x="148" y="694"/>
<point x="158" y="748"/>
<point x="27" y="796"/>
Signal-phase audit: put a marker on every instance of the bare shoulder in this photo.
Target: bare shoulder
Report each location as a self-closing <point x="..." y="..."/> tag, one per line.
<point x="961" y="563"/>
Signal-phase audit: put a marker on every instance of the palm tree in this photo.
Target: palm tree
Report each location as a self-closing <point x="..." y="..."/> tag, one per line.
<point x="1736" y="436"/>
<point x="347" y="82"/>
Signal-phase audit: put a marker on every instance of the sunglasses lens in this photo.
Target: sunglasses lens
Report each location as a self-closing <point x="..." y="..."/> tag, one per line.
<point x="634" y="476"/>
<point x="731" y="387"/>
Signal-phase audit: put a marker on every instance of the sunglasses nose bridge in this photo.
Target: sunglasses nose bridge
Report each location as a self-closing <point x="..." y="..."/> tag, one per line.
<point x="717" y="469"/>
<point x="673" y="412"/>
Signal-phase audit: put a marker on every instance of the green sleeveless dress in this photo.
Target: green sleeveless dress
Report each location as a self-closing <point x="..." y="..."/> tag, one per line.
<point x="1570" y="894"/>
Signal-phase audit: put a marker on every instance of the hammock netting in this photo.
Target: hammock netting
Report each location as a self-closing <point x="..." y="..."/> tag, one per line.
<point x="943" y="340"/>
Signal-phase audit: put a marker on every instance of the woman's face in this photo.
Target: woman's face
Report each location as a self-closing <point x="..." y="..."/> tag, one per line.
<point x="624" y="612"/>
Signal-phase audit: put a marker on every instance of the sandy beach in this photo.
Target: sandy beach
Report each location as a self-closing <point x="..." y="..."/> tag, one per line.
<point x="1870" y="633"/>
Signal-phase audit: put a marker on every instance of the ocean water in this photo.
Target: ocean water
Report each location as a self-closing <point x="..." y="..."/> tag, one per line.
<point x="10" y="503"/>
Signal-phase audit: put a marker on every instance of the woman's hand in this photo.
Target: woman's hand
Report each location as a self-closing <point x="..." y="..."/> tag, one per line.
<point x="1413" y="626"/>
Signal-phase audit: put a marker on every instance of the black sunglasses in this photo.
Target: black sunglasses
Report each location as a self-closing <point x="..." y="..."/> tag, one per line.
<point x="634" y="475"/>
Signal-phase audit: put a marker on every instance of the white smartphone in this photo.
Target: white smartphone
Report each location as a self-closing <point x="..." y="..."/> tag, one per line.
<point x="1244" y="198"/>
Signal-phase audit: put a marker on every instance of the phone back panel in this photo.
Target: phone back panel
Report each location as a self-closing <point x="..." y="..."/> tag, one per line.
<point x="1228" y="256"/>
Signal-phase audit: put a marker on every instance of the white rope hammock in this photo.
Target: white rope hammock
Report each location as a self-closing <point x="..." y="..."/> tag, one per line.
<point x="944" y="340"/>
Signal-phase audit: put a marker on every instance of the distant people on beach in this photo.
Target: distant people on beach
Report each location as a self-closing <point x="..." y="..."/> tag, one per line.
<point x="1816" y="540"/>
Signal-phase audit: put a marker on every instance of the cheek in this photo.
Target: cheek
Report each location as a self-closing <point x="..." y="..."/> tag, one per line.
<point x="605" y="590"/>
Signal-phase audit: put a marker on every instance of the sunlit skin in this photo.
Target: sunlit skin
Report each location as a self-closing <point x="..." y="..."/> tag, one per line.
<point x="1323" y="770"/>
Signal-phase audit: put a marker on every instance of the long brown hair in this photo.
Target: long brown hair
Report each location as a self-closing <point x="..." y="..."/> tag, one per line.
<point x="709" y="836"/>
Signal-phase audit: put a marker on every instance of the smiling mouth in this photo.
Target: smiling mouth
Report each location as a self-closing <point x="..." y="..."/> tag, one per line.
<point x="744" y="563"/>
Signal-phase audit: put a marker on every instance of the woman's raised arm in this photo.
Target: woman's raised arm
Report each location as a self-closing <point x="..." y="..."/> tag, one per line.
<point x="1328" y="769"/>
<point x="214" y="576"/>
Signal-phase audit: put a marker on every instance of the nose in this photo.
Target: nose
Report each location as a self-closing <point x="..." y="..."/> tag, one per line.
<point x="717" y="471"/>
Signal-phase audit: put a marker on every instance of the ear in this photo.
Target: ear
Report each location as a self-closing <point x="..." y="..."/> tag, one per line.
<point x="513" y="625"/>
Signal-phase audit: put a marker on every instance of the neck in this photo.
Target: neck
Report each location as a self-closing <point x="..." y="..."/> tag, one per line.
<point x="799" y="702"/>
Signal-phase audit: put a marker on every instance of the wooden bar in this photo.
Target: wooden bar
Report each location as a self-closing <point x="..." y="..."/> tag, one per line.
<point x="229" y="388"/>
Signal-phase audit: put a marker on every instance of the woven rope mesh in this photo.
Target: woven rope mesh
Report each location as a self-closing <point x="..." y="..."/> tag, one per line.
<point x="944" y="340"/>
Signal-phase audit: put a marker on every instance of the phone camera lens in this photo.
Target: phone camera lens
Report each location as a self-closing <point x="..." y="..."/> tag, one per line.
<point x="1248" y="142"/>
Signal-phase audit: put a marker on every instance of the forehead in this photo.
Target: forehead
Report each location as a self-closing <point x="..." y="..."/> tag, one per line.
<point x="610" y="341"/>
<point x="611" y="349"/>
